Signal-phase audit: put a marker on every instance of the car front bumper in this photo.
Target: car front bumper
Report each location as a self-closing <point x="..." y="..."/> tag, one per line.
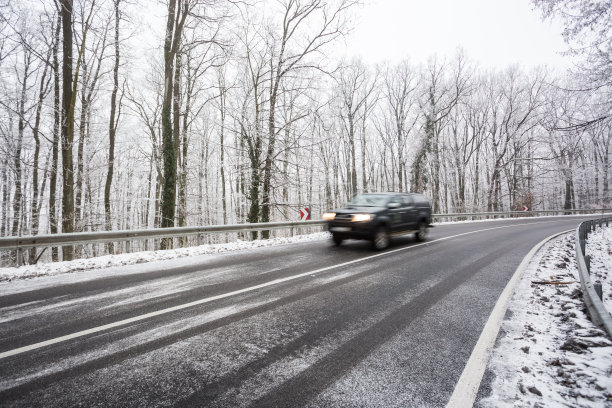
<point x="354" y="230"/>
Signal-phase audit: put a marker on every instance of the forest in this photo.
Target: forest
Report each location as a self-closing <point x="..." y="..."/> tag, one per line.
<point x="132" y="114"/>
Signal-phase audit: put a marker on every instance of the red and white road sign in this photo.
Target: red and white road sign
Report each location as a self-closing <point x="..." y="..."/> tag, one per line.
<point x="304" y="214"/>
<point x="525" y="208"/>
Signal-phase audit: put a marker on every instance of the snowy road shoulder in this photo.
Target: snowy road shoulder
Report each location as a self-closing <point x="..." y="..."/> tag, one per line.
<point x="549" y="353"/>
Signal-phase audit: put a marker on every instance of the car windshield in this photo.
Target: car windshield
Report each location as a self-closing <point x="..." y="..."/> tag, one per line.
<point x="369" y="200"/>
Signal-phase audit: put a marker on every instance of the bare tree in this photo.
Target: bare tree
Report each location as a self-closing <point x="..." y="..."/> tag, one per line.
<point x="53" y="219"/>
<point x="400" y="101"/>
<point x="355" y="88"/>
<point x="178" y="10"/>
<point x="290" y="53"/>
<point x="178" y="13"/>
<point x="115" y="114"/>
<point x="69" y="94"/>
<point x="441" y="96"/>
<point x="588" y="32"/>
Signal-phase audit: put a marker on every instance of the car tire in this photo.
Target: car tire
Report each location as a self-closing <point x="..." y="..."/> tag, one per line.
<point x="381" y="239"/>
<point x="337" y="239"/>
<point x="421" y="234"/>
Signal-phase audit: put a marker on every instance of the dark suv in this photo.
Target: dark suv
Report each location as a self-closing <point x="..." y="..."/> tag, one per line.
<point x="378" y="216"/>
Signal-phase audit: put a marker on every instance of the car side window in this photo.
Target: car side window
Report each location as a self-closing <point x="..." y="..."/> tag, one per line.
<point x="407" y="200"/>
<point x="395" y="199"/>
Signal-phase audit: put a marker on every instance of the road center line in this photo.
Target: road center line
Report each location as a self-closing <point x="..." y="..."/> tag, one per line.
<point x="124" y="322"/>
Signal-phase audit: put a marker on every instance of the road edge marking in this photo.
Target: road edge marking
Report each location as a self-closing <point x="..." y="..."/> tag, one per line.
<point x="198" y="302"/>
<point x="467" y="387"/>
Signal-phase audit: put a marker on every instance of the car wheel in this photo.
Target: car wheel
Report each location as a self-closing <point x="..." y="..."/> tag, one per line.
<point x="381" y="239"/>
<point x="337" y="239"/>
<point x="422" y="232"/>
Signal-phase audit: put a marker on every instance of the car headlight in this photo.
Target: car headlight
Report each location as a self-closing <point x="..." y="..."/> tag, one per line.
<point x="329" y="216"/>
<point x="362" y="217"/>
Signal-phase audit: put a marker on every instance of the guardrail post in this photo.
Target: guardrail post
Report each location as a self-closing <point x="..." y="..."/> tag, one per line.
<point x="19" y="257"/>
<point x="598" y="290"/>
<point x="587" y="261"/>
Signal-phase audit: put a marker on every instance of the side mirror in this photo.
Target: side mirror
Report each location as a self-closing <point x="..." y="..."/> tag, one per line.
<point x="393" y="206"/>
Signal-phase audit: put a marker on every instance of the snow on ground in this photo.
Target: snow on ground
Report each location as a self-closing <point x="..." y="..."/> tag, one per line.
<point x="109" y="261"/>
<point x="549" y="354"/>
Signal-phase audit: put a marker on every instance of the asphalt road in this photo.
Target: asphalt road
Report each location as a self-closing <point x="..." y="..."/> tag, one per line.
<point x="302" y="325"/>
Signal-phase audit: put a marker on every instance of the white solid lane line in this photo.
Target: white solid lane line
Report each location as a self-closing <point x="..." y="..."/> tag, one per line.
<point x="469" y="382"/>
<point x="119" y="323"/>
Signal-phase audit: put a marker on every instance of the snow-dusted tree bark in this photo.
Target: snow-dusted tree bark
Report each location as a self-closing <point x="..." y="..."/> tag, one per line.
<point x="177" y="14"/>
<point x="69" y="94"/>
<point x="67" y="126"/>
<point x="113" y="123"/>
<point x="44" y="87"/>
<point x="17" y="159"/>
<point x="53" y="218"/>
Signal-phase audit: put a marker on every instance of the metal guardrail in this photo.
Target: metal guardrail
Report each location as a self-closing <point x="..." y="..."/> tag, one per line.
<point x="99" y="237"/>
<point x="19" y="244"/>
<point x="509" y="214"/>
<point x="82" y="238"/>
<point x="598" y="312"/>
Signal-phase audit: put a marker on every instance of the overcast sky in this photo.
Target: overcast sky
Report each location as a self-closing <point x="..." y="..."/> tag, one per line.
<point x="494" y="33"/>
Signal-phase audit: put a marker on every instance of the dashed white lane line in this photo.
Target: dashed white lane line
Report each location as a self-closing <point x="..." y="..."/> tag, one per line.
<point x="124" y="322"/>
<point x="467" y="387"/>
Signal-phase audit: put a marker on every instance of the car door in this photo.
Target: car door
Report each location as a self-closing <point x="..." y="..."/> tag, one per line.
<point x="396" y="213"/>
<point x="410" y="212"/>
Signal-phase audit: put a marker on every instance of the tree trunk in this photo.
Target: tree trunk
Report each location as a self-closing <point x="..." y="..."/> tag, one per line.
<point x="182" y="192"/>
<point x="78" y="192"/>
<point x="18" y="197"/>
<point x="606" y="168"/>
<point x="183" y="179"/>
<point x="174" y="28"/>
<point x="4" y="230"/>
<point x="112" y="131"/>
<point x="222" y="147"/>
<point x="253" y="215"/>
<point x="67" y="127"/>
<point x="569" y="186"/>
<point x="267" y="172"/>
<point x="56" y="138"/>
<point x="364" y="178"/>
<point x="35" y="209"/>
<point x="353" y="159"/>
